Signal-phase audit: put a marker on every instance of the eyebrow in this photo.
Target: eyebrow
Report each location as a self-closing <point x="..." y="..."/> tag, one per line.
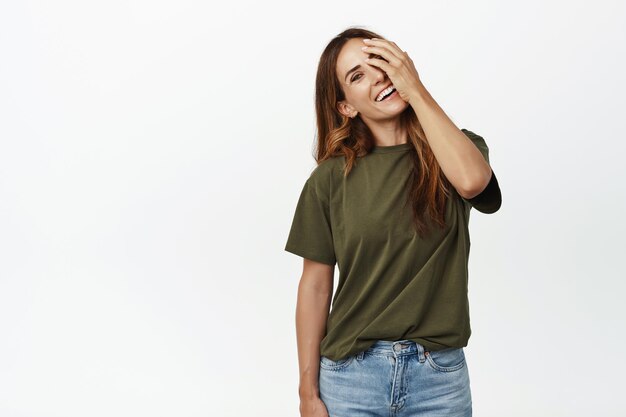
<point x="352" y="70"/>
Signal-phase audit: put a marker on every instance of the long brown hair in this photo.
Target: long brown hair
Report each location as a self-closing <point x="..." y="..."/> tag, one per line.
<point x="340" y="135"/>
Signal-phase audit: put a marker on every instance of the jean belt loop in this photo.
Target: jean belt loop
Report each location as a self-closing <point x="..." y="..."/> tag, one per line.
<point x="420" y="352"/>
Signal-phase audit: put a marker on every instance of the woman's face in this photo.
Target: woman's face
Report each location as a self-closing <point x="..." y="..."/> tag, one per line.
<point x="362" y="83"/>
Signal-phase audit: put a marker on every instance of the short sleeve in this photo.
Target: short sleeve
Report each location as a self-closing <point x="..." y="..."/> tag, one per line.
<point x="311" y="233"/>
<point x="490" y="199"/>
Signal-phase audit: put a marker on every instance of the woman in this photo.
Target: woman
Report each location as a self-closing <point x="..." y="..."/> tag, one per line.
<point x="389" y="203"/>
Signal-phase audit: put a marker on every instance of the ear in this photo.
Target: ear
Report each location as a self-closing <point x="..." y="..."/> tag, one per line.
<point x="346" y="109"/>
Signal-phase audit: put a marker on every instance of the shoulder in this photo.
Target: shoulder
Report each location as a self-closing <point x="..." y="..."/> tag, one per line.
<point x="323" y="176"/>
<point x="324" y="173"/>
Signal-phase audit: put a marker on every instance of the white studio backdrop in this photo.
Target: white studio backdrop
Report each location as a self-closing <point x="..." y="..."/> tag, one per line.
<point x="152" y="154"/>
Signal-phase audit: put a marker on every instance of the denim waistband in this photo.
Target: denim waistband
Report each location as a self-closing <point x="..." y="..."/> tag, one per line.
<point x="397" y="347"/>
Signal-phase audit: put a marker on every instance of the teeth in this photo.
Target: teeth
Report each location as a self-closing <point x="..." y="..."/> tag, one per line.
<point x="384" y="92"/>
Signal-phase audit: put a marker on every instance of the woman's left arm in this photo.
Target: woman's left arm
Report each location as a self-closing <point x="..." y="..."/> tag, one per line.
<point x="461" y="161"/>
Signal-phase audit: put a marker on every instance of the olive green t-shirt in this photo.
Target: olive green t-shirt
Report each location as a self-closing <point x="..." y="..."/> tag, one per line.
<point x="392" y="284"/>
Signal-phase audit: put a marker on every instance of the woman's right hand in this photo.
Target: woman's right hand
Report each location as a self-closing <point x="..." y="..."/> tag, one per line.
<point x="313" y="407"/>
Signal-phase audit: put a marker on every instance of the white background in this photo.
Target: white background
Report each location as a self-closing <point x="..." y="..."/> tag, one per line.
<point x="152" y="153"/>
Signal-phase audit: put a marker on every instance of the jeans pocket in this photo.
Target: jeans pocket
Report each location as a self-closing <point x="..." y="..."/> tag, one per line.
<point x="446" y="360"/>
<point x="332" y="365"/>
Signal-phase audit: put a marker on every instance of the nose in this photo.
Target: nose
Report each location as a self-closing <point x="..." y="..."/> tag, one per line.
<point x="379" y="75"/>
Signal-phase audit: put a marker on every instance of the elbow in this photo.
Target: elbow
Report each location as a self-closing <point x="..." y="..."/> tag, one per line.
<point x="490" y="199"/>
<point x="476" y="185"/>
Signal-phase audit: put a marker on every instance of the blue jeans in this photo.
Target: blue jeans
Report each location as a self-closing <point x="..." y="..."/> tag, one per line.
<point x="397" y="379"/>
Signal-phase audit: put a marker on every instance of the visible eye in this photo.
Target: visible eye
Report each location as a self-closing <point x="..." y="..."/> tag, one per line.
<point x="354" y="78"/>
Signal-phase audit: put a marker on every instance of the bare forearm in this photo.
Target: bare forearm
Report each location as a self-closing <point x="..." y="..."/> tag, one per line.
<point x="311" y="314"/>
<point x="461" y="162"/>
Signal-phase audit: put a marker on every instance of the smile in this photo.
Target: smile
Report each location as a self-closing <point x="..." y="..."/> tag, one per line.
<point x="387" y="94"/>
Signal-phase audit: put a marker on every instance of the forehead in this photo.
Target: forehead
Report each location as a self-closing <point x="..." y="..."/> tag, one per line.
<point x="350" y="55"/>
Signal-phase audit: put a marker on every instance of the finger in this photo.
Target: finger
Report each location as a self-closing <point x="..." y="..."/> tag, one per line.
<point x="385" y="53"/>
<point x="388" y="45"/>
<point x="399" y="53"/>
<point x="381" y="63"/>
<point x="384" y="43"/>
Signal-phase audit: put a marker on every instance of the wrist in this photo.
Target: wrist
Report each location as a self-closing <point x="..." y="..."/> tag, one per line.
<point x="418" y="95"/>
<point x="308" y="393"/>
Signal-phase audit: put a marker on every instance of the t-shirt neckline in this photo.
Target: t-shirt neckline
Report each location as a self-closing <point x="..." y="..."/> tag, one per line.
<point x="393" y="148"/>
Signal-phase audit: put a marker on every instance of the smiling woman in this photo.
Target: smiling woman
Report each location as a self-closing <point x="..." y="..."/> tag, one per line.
<point x="381" y="207"/>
